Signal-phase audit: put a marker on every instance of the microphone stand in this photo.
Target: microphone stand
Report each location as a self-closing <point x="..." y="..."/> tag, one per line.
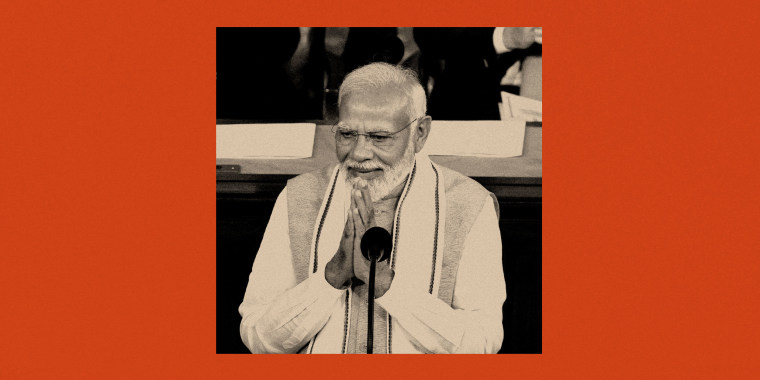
<point x="376" y="246"/>
<point x="371" y="304"/>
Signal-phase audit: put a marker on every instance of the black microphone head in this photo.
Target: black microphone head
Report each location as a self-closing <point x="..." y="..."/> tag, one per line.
<point x="376" y="243"/>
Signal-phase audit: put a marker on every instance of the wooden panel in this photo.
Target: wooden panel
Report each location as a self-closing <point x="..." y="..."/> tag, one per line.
<point x="323" y="153"/>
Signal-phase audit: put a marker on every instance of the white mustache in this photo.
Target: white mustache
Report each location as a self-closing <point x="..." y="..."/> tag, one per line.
<point x="364" y="166"/>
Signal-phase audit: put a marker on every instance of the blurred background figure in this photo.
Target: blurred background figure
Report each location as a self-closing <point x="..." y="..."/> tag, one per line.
<point x="293" y="74"/>
<point x="464" y="69"/>
<point x="348" y="48"/>
<point x="269" y="73"/>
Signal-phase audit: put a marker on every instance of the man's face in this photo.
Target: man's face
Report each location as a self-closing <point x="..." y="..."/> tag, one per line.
<point x="382" y="166"/>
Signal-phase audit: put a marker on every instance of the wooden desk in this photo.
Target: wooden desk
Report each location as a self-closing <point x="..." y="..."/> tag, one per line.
<point x="507" y="177"/>
<point x="245" y="200"/>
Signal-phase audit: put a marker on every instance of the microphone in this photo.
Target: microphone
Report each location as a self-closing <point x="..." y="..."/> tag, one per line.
<point x="376" y="246"/>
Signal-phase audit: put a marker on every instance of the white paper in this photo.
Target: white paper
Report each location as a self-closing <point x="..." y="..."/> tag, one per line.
<point x="265" y="140"/>
<point x="481" y="138"/>
<point x="519" y="107"/>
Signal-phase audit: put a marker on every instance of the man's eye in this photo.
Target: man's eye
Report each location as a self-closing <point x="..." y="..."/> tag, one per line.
<point x="379" y="138"/>
<point x="347" y="134"/>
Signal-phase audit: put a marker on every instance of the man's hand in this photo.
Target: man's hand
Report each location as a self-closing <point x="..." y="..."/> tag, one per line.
<point x="364" y="219"/>
<point x="521" y="38"/>
<point x="340" y="269"/>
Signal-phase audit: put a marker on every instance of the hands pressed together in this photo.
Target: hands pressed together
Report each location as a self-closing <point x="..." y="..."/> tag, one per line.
<point x="348" y="264"/>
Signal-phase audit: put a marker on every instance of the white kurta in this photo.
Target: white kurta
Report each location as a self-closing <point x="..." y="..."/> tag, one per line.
<point x="280" y="315"/>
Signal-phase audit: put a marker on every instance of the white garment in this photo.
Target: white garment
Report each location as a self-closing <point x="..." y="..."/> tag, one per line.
<point x="498" y="40"/>
<point x="281" y="316"/>
<point x="513" y="76"/>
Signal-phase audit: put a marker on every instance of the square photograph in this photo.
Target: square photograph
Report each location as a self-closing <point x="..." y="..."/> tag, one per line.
<point x="378" y="190"/>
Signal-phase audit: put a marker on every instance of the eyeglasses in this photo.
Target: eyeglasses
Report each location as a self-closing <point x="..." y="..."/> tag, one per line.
<point x="347" y="136"/>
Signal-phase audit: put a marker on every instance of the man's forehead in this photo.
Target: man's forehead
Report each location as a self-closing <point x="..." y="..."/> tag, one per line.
<point x="375" y="107"/>
<point x="381" y="97"/>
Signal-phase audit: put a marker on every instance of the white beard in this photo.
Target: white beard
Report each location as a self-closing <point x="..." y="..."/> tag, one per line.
<point x="392" y="176"/>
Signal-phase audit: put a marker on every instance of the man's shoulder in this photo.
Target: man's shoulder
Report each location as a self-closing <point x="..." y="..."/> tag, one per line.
<point x="454" y="181"/>
<point x="313" y="179"/>
<point x="463" y="192"/>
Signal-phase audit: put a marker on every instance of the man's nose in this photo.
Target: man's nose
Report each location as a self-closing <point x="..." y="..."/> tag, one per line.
<point x="362" y="149"/>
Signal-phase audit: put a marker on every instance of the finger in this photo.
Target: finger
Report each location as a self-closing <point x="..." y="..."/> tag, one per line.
<point x="361" y="206"/>
<point x="358" y="224"/>
<point x="359" y="233"/>
<point x="354" y="204"/>
<point x="358" y="241"/>
<point x="350" y="241"/>
<point x="348" y="231"/>
<point x="367" y="199"/>
<point x="360" y="230"/>
<point x="349" y="222"/>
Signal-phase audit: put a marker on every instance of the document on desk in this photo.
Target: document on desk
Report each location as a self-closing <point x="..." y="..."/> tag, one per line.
<point x="519" y="107"/>
<point x="476" y="138"/>
<point x="284" y="141"/>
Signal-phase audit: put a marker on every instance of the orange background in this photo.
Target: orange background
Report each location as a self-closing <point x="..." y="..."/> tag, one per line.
<point x="108" y="208"/>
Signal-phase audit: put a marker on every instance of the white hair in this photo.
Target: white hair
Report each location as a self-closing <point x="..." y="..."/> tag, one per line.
<point x="381" y="75"/>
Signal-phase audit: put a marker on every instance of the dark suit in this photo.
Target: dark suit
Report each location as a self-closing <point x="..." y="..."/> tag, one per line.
<point x="466" y="71"/>
<point x="253" y="81"/>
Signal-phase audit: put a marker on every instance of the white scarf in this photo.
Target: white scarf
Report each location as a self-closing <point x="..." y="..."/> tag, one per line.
<point x="418" y="236"/>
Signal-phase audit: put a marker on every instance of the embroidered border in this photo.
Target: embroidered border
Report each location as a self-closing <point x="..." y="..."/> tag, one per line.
<point x="435" y="242"/>
<point x="316" y="253"/>
<point x="322" y="221"/>
<point x="345" y="321"/>
<point x="398" y="217"/>
<point x="395" y="246"/>
<point x="435" y="239"/>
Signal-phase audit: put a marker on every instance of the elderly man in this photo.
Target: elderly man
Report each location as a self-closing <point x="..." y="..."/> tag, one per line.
<point x="441" y="290"/>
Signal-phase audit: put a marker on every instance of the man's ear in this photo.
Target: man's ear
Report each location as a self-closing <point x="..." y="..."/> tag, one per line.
<point x="422" y="131"/>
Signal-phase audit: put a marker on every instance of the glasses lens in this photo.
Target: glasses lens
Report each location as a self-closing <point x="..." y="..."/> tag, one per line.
<point x="381" y="140"/>
<point x="345" y="136"/>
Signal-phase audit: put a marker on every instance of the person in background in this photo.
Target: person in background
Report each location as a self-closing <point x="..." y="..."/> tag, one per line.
<point x="349" y="48"/>
<point x="465" y="69"/>
<point x="269" y="74"/>
<point x="441" y="290"/>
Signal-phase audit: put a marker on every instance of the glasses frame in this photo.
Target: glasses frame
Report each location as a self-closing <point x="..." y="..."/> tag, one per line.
<point x="368" y="135"/>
